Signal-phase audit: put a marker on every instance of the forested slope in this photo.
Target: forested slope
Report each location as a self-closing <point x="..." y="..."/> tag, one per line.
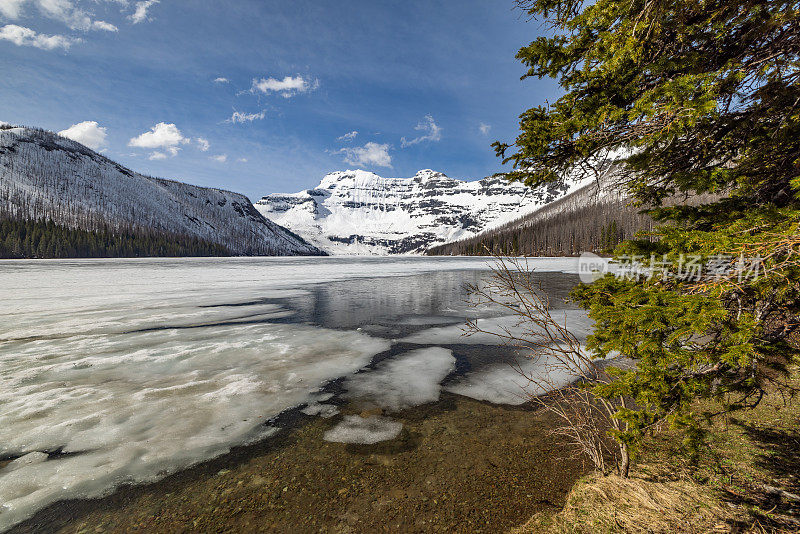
<point x="584" y="221"/>
<point x="45" y="177"/>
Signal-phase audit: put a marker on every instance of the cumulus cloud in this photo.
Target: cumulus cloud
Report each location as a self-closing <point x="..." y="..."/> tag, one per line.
<point x="370" y="154"/>
<point x="140" y="11"/>
<point x="242" y="160"/>
<point x="163" y="136"/>
<point x="348" y="136"/>
<point x="87" y="133"/>
<point x="221" y="80"/>
<point x="484" y="128"/>
<point x="239" y="117"/>
<point x="203" y="144"/>
<point x="432" y="132"/>
<point x="287" y="87"/>
<point x="64" y="11"/>
<point x="221" y="158"/>
<point x="21" y="36"/>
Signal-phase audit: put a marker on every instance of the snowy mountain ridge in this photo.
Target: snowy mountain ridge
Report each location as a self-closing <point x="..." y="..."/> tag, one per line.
<point x="45" y="176"/>
<point x="360" y="212"/>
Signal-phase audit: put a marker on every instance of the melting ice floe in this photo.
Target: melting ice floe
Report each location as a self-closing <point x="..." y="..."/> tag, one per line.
<point x="504" y="383"/>
<point x="316" y="406"/>
<point x="576" y="320"/>
<point x="510" y="384"/>
<point x="134" y="406"/>
<point x="408" y="380"/>
<point x="364" y="430"/>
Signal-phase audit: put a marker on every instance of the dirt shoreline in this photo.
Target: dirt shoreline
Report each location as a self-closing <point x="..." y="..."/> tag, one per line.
<point x="459" y="465"/>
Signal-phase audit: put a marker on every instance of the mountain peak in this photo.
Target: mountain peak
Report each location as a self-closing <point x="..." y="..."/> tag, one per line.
<point x="359" y="212"/>
<point x="428" y="174"/>
<point x="337" y="178"/>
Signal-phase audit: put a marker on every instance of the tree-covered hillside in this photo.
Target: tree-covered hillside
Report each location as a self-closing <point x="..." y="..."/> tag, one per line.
<point x="39" y="239"/>
<point x="46" y="177"/>
<point x="581" y="222"/>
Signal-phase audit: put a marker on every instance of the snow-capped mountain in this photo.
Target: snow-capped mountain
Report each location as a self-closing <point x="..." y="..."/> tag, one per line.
<point x="359" y="212"/>
<point x="45" y="176"/>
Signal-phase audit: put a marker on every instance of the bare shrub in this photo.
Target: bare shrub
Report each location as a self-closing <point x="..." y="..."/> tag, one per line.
<point x="564" y="374"/>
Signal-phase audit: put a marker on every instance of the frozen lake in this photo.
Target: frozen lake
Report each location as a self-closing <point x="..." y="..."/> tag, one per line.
<point x="117" y="371"/>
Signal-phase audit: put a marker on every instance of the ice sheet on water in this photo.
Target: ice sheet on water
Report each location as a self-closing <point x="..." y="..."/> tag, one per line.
<point x="407" y="380"/>
<point x="132" y="407"/>
<point x="516" y="382"/>
<point x="144" y="366"/>
<point x="504" y="383"/>
<point x="576" y="321"/>
<point x="364" y="430"/>
<point x="323" y="410"/>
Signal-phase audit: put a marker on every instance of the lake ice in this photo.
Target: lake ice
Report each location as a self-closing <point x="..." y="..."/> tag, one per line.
<point x="117" y="371"/>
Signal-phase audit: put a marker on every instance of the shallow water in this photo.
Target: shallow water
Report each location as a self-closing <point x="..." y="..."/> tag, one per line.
<point x="115" y="371"/>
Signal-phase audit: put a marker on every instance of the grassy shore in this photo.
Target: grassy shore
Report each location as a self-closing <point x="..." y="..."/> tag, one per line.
<point x="746" y="480"/>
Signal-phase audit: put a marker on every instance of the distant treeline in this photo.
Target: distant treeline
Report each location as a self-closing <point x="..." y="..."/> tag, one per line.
<point x="580" y="222"/>
<point x="45" y="239"/>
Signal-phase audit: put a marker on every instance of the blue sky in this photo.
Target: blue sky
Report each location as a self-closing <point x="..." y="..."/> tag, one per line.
<point x="259" y="96"/>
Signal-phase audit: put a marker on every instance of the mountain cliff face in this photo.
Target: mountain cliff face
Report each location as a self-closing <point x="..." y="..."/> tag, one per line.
<point x="44" y="176"/>
<point x="359" y="212"/>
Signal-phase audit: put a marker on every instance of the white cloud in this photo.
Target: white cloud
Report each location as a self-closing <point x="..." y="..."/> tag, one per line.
<point x="369" y="154"/>
<point x="88" y="133"/>
<point x="287" y="88"/>
<point x="11" y="9"/>
<point x="166" y="137"/>
<point x="221" y="158"/>
<point x="221" y="80"/>
<point x="242" y="160"/>
<point x="203" y="144"/>
<point x="484" y="128"/>
<point x="22" y="36"/>
<point x="162" y="135"/>
<point x="240" y="117"/>
<point x="428" y="125"/>
<point x="103" y="25"/>
<point x="64" y="11"/>
<point x="74" y="17"/>
<point x="348" y="136"/>
<point x="140" y="12"/>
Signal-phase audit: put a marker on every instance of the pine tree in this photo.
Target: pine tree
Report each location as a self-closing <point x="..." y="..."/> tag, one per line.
<point x="688" y="97"/>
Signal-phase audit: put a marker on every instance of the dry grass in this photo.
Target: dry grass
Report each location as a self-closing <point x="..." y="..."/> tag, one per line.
<point x="600" y="504"/>
<point x="747" y="479"/>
